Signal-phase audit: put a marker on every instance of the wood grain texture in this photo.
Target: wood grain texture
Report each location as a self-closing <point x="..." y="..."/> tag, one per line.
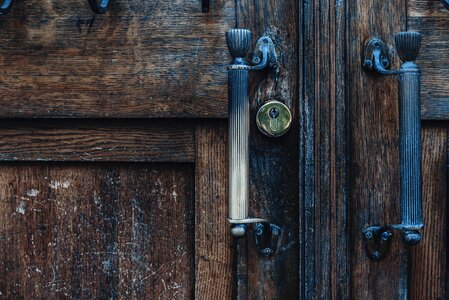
<point x="428" y="263"/>
<point x="426" y="8"/>
<point x="323" y="210"/>
<point x="434" y="62"/>
<point x="103" y="231"/>
<point x="214" y="261"/>
<point x="84" y="140"/>
<point x="273" y="161"/>
<point x="374" y="152"/>
<point x="141" y="59"/>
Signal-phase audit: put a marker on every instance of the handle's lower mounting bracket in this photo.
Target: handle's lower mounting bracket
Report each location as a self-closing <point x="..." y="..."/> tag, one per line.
<point x="378" y="238"/>
<point x="267" y="238"/>
<point x="377" y="241"/>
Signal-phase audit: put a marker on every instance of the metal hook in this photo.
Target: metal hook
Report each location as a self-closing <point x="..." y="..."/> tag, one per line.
<point x="445" y="3"/>
<point x="99" y="8"/>
<point x="5" y="7"/>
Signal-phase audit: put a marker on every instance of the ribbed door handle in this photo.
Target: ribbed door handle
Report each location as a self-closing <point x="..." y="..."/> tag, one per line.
<point x="238" y="41"/>
<point x="407" y="45"/>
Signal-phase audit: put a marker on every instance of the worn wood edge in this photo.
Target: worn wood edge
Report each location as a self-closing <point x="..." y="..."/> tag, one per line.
<point x="435" y="109"/>
<point x="214" y="256"/>
<point x="97" y="140"/>
<point x="428" y="260"/>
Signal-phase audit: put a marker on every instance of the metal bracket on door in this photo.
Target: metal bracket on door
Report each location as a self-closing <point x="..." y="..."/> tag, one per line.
<point x="5" y="7"/>
<point x="445" y="3"/>
<point x="377" y="238"/>
<point x="264" y="57"/>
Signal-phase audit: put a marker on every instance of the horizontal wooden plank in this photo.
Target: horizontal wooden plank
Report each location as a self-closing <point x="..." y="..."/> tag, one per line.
<point x="433" y="60"/>
<point x="100" y="140"/>
<point x="142" y="59"/>
<point x="426" y="8"/>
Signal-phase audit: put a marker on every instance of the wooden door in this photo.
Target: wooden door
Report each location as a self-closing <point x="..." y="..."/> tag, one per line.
<point x="113" y="149"/>
<point x="113" y="152"/>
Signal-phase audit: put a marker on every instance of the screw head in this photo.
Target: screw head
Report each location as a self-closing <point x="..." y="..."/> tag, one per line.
<point x="265" y="40"/>
<point x="376" y="254"/>
<point x="267" y="251"/>
<point x="259" y="230"/>
<point x="256" y="60"/>
<point x="368" y="64"/>
<point x="386" y="235"/>
<point x="275" y="232"/>
<point x="368" y="234"/>
<point x="376" y="43"/>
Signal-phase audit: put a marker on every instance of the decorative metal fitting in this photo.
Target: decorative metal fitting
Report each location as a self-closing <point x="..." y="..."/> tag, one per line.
<point x="99" y="8"/>
<point x="445" y="3"/>
<point x="5" y="7"/>
<point x="377" y="238"/>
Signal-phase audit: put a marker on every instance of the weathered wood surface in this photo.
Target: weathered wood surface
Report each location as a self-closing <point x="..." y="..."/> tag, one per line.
<point x="214" y="256"/>
<point x="374" y="152"/>
<point x="434" y="62"/>
<point x="324" y="261"/>
<point x="428" y="260"/>
<point x="96" y="231"/>
<point x="273" y="161"/>
<point x="428" y="263"/>
<point x="141" y="59"/>
<point x="99" y="140"/>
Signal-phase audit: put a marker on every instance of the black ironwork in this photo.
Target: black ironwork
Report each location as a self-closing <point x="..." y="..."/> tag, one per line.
<point x="407" y="44"/>
<point x="5" y="7"/>
<point x="267" y="238"/>
<point x="99" y="7"/>
<point x="445" y="3"/>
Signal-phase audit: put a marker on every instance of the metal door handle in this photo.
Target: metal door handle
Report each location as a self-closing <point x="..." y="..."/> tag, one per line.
<point x="5" y="7"/>
<point x="445" y="3"/>
<point x="407" y="44"/>
<point x="238" y="41"/>
<point x="99" y="7"/>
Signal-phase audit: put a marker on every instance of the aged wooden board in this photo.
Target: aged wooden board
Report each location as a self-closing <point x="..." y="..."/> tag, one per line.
<point x="273" y="161"/>
<point x="214" y="255"/>
<point x="99" y="140"/>
<point x="324" y="270"/>
<point x="374" y="152"/>
<point x="142" y="59"/>
<point x="428" y="260"/>
<point x="96" y="231"/>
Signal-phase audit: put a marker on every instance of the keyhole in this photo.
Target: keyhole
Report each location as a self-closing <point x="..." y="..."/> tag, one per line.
<point x="273" y="113"/>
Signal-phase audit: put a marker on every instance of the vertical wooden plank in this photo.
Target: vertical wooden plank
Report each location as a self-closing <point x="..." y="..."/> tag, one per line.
<point x="374" y="151"/>
<point x="214" y="273"/>
<point x="274" y="161"/>
<point x="428" y="260"/>
<point x="325" y="272"/>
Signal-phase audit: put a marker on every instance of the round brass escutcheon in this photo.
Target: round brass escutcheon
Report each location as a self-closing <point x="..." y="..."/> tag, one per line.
<point x="274" y="118"/>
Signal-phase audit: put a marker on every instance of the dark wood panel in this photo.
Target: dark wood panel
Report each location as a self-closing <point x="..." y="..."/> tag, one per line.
<point x="273" y="161"/>
<point x="84" y="140"/>
<point x="214" y="261"/>
<point x="142" y="59"/>
<point x="323" y="209"/>
<point x="428" y="263"/>
<point x="96" y="231"/>
<point x="374" y="152"/>
<point x="434" y="62"/>
<point x="426" y="8"/>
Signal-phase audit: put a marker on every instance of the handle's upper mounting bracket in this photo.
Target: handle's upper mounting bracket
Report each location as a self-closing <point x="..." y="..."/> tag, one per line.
<point x="376" y="57"/>
<point x="264" y="55"/>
